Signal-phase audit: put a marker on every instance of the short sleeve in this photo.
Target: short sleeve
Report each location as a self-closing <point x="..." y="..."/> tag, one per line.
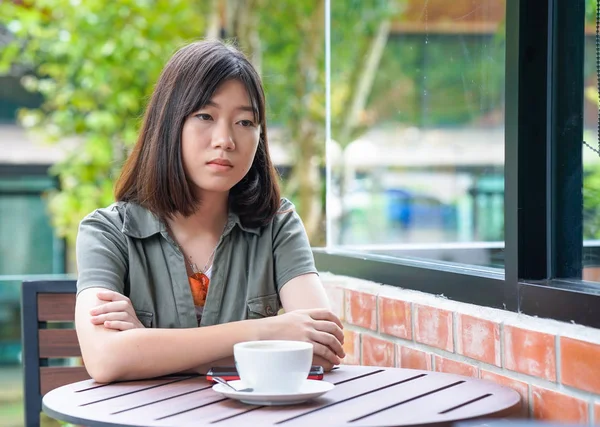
<point x="101" y="252"/>
<point x="291" y="249"/>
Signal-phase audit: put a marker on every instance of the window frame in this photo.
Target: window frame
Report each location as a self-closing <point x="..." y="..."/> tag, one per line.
<point x="543" y="183"/>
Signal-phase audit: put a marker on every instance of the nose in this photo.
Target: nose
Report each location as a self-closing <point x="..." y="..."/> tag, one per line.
<point x="222" y="138"/>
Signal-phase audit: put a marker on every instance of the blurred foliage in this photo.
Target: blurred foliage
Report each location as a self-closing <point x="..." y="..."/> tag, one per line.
<point x="447" y="80"/>
<point x="591" y="181"/>
<point x="590" y="12"/>
<point x="348" y="56"/>
<point x="591" y="202"/>
<point x="95" y="63"/>
<point x="293" y="38"/>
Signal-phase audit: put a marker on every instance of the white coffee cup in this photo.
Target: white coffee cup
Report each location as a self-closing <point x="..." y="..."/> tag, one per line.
<point x="273" y="366"/>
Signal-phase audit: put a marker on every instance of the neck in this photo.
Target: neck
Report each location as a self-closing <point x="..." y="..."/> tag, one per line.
<point x="210" y="217"/>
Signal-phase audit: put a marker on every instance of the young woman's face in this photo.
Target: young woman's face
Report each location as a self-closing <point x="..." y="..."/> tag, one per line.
<point x="219" y="141"/>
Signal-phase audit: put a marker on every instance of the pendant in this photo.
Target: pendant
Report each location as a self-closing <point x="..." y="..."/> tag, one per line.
<point x="199" y="287"/>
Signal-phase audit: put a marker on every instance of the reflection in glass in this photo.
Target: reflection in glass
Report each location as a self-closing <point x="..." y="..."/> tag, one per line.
<point x="591" y="159"/>
<point x="417" y="129"/>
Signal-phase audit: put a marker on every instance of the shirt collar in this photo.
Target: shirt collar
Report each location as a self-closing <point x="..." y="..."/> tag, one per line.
<point x="140" y="223"/>
<point x="233" y="220"/>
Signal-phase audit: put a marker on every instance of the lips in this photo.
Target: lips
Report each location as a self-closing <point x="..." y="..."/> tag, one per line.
<point x="220" y="162"/>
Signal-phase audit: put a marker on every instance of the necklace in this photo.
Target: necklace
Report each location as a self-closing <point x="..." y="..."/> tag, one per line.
<point x="198" y="280"/>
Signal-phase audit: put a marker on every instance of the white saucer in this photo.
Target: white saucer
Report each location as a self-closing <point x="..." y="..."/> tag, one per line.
<point x="309" y="390"/>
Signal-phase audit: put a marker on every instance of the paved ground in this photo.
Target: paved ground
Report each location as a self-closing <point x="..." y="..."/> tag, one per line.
<point x="11" y="382"/>
<point x="11" y="399"/>
<point x="11" y="396"/>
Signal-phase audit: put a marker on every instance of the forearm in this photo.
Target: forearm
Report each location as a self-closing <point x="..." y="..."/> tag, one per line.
<point x="304" y="292"/>
<point x="145" y="353"/>
<point x="226" y="361"/>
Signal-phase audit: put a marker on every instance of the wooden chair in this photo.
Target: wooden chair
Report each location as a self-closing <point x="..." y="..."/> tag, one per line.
<point x="43" y="305"/>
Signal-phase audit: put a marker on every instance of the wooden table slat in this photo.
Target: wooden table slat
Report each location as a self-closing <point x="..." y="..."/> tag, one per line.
<point x="351" y="399"/>
<point x="428" y="408"/>
<point x="143" y="399"/>
<point x="183" y="404"/>
<point x="84" y="393"/>
<point x="269" y="415"/>
<point x="363" y="396"/>
<point x="149" y="415"/>
<point x="503" y="402"/>
<point x="345" y="373"/>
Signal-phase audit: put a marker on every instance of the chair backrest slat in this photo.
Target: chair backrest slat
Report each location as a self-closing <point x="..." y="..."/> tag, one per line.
<point x="48" y="313"/>
<point x="56" y="376"/>
<point x="59" y="343"/>
<point x="56" y="307"/>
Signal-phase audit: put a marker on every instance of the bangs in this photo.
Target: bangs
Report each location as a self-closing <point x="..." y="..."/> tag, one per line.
<point x="227" y="69"/>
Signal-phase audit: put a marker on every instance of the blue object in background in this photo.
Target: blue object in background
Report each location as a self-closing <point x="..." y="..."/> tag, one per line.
<point x="413" y="210"/>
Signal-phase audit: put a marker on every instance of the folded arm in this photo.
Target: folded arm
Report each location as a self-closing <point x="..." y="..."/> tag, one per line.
<point x="134" y="353"/>
<point x="111" y="355"/>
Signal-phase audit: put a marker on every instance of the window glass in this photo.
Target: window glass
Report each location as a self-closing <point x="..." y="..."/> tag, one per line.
<point x="416" y="148"/>
<point x="591" y="158"/>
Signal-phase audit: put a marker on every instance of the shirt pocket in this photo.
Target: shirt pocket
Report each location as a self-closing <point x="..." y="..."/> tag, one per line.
<point x="145" y="317"/>
<point x="264" y="306"/>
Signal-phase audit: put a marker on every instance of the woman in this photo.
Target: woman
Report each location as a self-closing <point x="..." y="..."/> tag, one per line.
<point x="198" y="236"/>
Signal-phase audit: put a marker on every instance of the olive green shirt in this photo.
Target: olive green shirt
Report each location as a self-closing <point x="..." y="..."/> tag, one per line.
<point x="127" y="249"/>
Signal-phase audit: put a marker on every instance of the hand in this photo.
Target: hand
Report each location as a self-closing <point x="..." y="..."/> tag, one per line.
<point x="117" y="313"/>
<point x="326" y="364"/>
<point x="320" y="327"/>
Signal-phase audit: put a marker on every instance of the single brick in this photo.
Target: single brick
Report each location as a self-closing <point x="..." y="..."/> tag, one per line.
<point x="521" y="387"/>
<point x="530" y="352"/>
<point x="411" y="358"/>
<point x="395" y="317"/>
<point x="478" y="339"/>
<point x="351" y="347"/>
<point x="443" y="364"/>
<point x="377" y="351"/>
<point x="580" y="364"/>
<point x="549" y="405"/>
<point x="361" y="309"/>
<point x="433" y="326"/>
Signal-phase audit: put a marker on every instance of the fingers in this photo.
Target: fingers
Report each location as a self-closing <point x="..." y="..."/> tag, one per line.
<point x="108" y="295"/>
<point x="330" y="341"/>
<point x="118" y="315"/>
<point x="325" y="352"/>
<point x="110" y="307"/>
<point x="324" y="314"/>
<point x="331" y="328"/>
<point x="119" y="325"/>
<point x="326" y="364"/>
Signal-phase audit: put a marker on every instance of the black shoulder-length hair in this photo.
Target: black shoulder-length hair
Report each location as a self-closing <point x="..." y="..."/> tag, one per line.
<point x="153" y="175"/>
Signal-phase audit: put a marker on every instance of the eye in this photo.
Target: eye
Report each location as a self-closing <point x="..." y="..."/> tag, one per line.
<point x="203" y="116"/>
<point x="246" y="123"/>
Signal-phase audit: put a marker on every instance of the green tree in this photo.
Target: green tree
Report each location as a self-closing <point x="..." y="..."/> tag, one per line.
<point x="95" y="63"/>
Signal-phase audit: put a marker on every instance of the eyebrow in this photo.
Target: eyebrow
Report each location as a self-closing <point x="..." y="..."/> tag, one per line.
<point x="240" y="108"/>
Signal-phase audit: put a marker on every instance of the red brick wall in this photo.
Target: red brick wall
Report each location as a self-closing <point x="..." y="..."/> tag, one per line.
<point x="555" y="366"/>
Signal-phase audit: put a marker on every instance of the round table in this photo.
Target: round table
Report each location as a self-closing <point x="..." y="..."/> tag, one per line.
<point x="363" y="396"/>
